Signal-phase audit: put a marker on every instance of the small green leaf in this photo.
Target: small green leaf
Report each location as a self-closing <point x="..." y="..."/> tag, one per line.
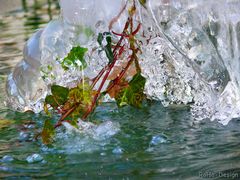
<point x="81" y="95"/>
<point x="100" y="39"/>
<point x="48" y="132"/>
<point x="50" y="100"/>
<point x="60" y="94"/>
<point x="133" y="94"/>
<point x="108" y="49"/>
<point x="75" y="58"/>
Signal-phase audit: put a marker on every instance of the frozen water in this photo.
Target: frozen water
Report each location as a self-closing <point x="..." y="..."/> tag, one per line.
<point x="197" y="31"/>
<point x="190" y="53"/>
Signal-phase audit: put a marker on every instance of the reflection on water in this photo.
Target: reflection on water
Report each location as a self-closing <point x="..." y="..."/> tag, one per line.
<point x="18" y="25"/>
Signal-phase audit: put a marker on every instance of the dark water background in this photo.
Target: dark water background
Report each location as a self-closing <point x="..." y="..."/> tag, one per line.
<point x="154" y="142"/>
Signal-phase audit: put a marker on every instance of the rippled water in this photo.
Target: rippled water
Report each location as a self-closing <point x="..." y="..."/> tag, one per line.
<point x="154" y="142"/>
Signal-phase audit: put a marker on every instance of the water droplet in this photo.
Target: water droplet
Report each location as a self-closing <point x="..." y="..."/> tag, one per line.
<point x="34" y="158"/>
<point x="23" y="136"/>
<point x="103" y="154"/>
<point x="117" y="150"/>
<point x="7" y="158"/>
<point x="159" y="139"/>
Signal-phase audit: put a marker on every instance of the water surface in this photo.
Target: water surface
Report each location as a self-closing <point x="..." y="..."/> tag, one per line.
<point x="154" y="142"/>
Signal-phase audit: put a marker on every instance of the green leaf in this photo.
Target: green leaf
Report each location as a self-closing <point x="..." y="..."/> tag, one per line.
<point x="48" y="132"/>
<point x="81" y="95"/>
<point x="108" y="49"/>
<point x="60" y="93"/>
<point x="59" y="96"/>
<point x="100" y="39"/>
<point x="132" y="95"/>
<point x="50" y="100"/>
<point x="74" y="56"/>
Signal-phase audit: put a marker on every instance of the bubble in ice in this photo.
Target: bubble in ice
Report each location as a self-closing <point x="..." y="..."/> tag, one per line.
<point x="190" y="53"/>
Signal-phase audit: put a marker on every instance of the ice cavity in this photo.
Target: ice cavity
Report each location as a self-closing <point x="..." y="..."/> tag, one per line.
<point x="87" y="137"/>
<point x="190" y="53"/>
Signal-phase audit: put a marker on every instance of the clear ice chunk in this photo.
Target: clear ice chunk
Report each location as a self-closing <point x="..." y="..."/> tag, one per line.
<point x="191" y="53"/>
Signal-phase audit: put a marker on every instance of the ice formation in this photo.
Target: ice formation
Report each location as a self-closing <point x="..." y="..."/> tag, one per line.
<point x="191" y="53"/>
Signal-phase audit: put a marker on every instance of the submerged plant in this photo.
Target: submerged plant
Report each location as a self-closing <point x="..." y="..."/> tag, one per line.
<point x="126" y="83"/>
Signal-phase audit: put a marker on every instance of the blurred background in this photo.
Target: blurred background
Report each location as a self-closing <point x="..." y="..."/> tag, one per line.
<point x="19" y="19"/>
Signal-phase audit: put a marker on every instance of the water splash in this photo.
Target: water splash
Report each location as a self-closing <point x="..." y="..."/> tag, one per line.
<point x="86" y="137"/>
<point x="190" y="53"/>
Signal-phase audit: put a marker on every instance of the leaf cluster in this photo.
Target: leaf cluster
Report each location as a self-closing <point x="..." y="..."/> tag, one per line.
<point x="81" y="100"/>
<point x="133" y="94"/>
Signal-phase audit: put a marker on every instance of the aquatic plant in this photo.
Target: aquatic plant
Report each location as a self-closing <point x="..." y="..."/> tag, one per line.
<point x="126" y="83"/>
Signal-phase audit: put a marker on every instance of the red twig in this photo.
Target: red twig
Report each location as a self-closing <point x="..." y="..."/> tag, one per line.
<point x="122" y="35"/>
<point x="137" y="29"/>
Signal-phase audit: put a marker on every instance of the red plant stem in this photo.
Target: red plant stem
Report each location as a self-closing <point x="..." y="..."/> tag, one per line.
<point x="100" y="88"/>
<point x="96" y="79"/>
<point x="114" y="52"/>
<point x="116" y="81"/>
<point x="119" y="34"/>
<point x="66" y="115"/>
<point x="137" y="29"/>
<point x="109" y="69"/>
<point x="60" y="124"/>
<point x="133" y="58"/>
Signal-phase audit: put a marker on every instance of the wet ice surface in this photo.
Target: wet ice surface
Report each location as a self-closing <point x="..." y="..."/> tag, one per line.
<point x="191" y="55"/>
